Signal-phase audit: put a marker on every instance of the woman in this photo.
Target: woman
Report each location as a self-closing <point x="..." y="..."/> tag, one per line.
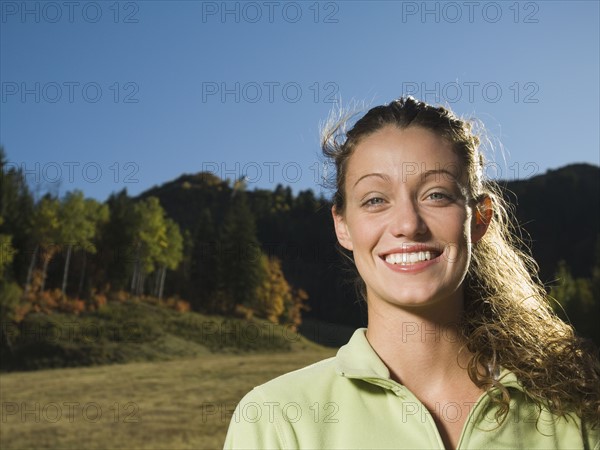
<point x="462" y="349"/>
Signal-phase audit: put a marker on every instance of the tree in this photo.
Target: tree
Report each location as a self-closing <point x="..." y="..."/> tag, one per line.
<point x="10" y="295"/>
<point x="293" y="307"/>
<point x="9" y="291"/>
<point x="578" y="302"/>
<point x="273" y="292"/>
<point x="239" y="270"/>
<point x="149" y="240"/>
<point x="7" y="252"/>
<point x="592" y="319"/>
<point x="204" y="264"/>
<point x="117" y="237"/>
<point x="46" y="235"/>
<point x="170" y="256"/>
<point x="16" y="208"/>
<point x="80" y="219"/>
<point x="276" y="300"/>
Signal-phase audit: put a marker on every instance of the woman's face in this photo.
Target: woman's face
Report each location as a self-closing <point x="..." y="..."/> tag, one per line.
<point x="407" y="219"/>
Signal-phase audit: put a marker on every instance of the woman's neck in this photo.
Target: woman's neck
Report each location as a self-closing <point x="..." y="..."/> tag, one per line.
<point x="422" y="347"/>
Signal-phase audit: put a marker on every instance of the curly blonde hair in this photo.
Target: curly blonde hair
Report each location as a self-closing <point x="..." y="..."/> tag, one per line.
<point x="508" y="320"/>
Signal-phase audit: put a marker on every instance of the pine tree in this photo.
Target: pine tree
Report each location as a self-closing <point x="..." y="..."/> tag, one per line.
<point x="7" y="252"/>
<point x="204" y="262"/>
<point x="239" y="270"/>
<point x="117" y="239"/>
<point x="16" y="208"/>
<point x="576" y="299"/>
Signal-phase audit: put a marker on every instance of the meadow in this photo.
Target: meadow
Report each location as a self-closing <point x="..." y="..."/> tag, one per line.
<point x="184" y="403"/>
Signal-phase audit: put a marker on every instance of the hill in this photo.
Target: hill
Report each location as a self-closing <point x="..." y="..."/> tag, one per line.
<point x="134" y="331"/>
<point x="559" y="211"/>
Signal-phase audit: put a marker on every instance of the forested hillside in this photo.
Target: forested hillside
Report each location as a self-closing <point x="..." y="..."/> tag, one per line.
<point x="559" y="212"/>
<point x="212" y="246"/>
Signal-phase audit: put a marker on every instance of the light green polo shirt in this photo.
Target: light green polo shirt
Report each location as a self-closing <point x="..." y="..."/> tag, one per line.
<point x="350" y="402"/>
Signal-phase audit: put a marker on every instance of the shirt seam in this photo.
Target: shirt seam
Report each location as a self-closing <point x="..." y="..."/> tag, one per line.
<point x="278" y="428"/>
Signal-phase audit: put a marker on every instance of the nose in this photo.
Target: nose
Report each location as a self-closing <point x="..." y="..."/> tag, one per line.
<point x="406" y="220"/>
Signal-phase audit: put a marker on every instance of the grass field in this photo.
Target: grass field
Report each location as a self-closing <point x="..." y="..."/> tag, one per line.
<point x="180" y="404"/>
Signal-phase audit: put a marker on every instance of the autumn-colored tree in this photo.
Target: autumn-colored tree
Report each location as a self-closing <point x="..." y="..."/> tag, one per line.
<point x="295" y="304"/>
<point x="276" y="300"/>
<point x="273" y="292"/>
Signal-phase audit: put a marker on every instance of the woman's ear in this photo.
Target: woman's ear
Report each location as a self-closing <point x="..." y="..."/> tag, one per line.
<point x="341" y="229"/>
<point x="481" y="218"/>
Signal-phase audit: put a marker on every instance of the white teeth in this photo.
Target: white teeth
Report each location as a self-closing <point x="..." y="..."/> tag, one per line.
<point x="407" y="258"/>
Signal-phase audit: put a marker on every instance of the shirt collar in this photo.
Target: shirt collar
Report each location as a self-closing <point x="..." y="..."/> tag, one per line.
<point x="357" y="359"/>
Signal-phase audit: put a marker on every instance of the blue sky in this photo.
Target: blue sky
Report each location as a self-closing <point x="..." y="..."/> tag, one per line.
<point x="103" y="95"/>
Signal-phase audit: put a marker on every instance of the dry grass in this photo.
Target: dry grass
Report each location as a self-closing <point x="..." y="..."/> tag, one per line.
<point x="181" y="404"/>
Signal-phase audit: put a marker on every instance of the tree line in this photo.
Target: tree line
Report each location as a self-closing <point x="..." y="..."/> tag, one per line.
<point x="73" y="254"/>
<point x="210" y="245"/>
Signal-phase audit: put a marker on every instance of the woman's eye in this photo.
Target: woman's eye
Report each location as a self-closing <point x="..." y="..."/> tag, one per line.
<point x="373" y="201"/>
<point x="437" y="196"/>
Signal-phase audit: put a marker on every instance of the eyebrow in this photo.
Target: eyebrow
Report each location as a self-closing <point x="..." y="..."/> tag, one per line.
<point x="383" y="176"/>
<point x="438" y="172"/>
<point x="424" y="175"/>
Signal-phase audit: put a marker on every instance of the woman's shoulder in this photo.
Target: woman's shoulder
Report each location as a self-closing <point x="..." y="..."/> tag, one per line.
<point x="298" y="382"/>
<point x="319" y="380"/>
<point x="355" y="359"/>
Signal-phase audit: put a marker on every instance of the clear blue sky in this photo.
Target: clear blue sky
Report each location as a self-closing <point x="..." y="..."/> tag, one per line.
<point x="103" y="95"/>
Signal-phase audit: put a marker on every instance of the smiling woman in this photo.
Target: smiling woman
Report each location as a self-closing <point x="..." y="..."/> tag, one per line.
<point x="391" y="219"/>
<point x="462" y="349"/>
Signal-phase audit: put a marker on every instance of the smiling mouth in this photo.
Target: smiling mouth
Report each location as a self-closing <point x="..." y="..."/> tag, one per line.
<point x="408" y="258"/>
